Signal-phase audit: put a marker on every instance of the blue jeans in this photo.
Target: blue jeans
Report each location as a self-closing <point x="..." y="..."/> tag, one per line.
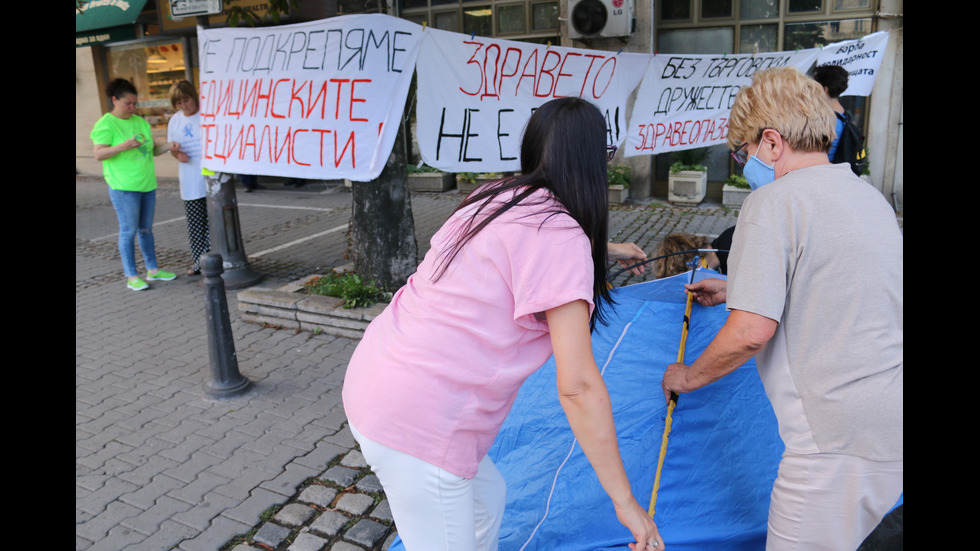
<point x="135" y="212"/>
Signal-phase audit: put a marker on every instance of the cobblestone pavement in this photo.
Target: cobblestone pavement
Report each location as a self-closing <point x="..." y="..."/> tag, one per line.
<point x="161" y="466"/>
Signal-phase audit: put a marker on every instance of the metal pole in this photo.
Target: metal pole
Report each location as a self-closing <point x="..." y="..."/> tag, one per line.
<point x="669" y="420"/>
<point x="226" y="381"/>
<point x="226" y="233"/>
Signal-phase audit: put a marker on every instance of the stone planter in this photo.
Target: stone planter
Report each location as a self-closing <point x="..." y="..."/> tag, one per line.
<point x="431" y="181"/>
<point x="732" y="196"/>
<point x="687" y="186"/>
<point x="618" y="194"/>
<point x="290" y="308"/>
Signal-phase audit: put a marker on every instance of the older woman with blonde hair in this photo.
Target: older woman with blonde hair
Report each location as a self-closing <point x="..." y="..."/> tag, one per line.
<point x="815" y="293"/>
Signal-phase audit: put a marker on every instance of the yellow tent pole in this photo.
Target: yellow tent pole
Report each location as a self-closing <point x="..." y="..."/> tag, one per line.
<point x="673" y="399"/>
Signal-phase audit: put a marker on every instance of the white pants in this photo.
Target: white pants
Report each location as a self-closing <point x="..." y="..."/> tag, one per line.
<point x="829" y="501"/>
<point x="434" y="509"/>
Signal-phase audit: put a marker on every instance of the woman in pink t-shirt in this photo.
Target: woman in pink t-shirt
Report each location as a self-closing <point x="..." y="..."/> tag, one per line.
<point x="517" y="273"/>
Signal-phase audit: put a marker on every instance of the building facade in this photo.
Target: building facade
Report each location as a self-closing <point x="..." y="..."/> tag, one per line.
<point x="153" y="49"/>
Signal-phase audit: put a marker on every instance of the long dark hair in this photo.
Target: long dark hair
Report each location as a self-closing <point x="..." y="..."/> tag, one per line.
<point x="563" y="151"/>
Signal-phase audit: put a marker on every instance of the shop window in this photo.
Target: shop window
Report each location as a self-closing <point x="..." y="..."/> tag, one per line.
<point x="543" y="40"/>
<point x="526" y="20"/>
<point x="758" y="38"/>
<point x="759" y="9"/>
<point x="510" y="19"/>
<point x="716" y="8"/>
<point x="716" y="40"/>
<point x="675" y="10"/>
<point x="811" y="34"/>
<point x="798" y="34"/>
<point x="446" y="20"/>
<point x="419" y="19"/>
<point x="805" y="6"/>
<point x="840" y="5"/>
<point x="478" y="20"/>
<point x="152" y="69"/>
<point x="544" y="16"/>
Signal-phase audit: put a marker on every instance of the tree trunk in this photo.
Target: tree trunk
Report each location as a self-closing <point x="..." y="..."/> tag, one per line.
<point x="384" y="248"/>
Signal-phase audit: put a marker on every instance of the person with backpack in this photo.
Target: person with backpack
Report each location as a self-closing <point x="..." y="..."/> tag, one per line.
<point x="848" y="146"/>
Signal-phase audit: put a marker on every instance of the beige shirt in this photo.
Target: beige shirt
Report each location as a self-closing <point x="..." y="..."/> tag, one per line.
<point x="819" y="251"/>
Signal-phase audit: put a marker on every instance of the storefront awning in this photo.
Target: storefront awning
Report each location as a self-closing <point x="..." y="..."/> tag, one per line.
<point x="106" y="20"/>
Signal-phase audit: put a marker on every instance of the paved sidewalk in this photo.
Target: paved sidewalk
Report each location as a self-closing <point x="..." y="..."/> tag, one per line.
<point x="159" y="465"/>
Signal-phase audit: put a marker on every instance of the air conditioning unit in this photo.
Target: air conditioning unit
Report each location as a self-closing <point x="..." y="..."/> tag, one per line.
<point x="600" y="18"/>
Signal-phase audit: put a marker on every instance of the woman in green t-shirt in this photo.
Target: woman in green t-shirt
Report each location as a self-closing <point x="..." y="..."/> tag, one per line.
<point x="124" y="143"/>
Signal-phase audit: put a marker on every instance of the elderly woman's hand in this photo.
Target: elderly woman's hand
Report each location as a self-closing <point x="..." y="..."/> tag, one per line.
<point x="708" y="292"/>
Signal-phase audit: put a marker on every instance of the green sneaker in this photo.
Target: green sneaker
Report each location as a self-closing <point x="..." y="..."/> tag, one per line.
<point x="161" y="276"/>
<point x="137" y="285"/>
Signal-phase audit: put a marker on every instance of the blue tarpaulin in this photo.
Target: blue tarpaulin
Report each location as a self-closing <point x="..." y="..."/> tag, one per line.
<point x="721" y="460"/>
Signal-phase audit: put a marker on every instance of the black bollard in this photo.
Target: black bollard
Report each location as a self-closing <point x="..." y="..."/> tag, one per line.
<point x="226" y="233"/>
<point x="226" y="381"/>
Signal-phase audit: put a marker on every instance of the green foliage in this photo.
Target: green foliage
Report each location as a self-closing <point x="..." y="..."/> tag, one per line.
<point x="739" y="181"/>
<point x="619" y="175"/>
<point x="349" y="287"/>
<point x="689" y="159"/>
<point x="470" y="177"/>
<point x="422" y="169"/>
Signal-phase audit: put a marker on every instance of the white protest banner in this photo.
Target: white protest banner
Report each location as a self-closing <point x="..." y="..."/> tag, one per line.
<point x="319" y="100"/>
<point x="476" y="95"/>
<point x="861" y="58"/>
<point x="684" y="100"/>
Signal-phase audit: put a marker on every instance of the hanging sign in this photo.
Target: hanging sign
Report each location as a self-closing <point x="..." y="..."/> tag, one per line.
<point x="861" y="58"/>
<point x="475" y="95"/>
<point x="684" y="100"/>
<point x="319" y="100"/>
<point x="187" y="8"/>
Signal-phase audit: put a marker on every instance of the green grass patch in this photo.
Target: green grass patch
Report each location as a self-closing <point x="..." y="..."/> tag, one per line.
<point x="349" y="287"/>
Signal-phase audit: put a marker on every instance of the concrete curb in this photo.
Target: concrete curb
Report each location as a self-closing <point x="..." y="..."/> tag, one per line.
<point x="288" y="307"/>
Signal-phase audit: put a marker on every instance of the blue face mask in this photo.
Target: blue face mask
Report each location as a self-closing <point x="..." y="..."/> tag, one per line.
<point x="757" y="172"/>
